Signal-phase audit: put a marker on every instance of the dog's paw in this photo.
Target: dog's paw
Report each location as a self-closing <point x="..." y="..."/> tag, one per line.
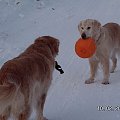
<point x="105" y="82"/>
<point x="112" y="71"/>
<point x="89" y="81"/>
<point x="44" y="118"/>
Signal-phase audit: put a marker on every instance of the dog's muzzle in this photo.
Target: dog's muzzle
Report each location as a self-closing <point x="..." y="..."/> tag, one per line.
<point x="83" y="35"/>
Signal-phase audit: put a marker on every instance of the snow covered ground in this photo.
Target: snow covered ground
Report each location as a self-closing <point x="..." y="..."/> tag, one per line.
<point x="21" y="21"/>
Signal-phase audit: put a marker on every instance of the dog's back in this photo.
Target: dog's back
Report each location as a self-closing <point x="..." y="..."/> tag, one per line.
<point x="113" y="30"/>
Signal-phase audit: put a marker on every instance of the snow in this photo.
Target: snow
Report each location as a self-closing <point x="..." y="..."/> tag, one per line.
<point x="21" y="21"/>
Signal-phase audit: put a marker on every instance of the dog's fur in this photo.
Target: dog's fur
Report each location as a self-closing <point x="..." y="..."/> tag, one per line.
<point x="25" y="80"/>
<point x="107" y="39"/>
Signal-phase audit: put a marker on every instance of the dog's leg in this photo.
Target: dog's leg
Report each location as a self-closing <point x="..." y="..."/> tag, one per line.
<point x="25" y="115"/>
<point x="40" y="107"/>
<point x="18" y="107"/>
<point x="114" y="61"/>
<point x="93" y="69"/>
<point x="105" y="67"/>
<point x="3" y="117"/>
<point x="43" y="98"/>
<point x="43" y="103"/>
<point x="5" y="114"/>
<point x="26" y="110"/>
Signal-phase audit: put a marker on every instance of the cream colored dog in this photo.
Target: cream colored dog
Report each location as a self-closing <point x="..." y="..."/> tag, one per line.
<point x="107" y="39"/>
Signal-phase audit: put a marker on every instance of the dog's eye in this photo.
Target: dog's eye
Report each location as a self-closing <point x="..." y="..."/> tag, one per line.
<point x="88" y="28"/>
<point x="82" y="28"/>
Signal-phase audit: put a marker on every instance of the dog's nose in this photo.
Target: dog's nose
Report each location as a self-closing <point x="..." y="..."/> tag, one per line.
<point x="83" y="35"/>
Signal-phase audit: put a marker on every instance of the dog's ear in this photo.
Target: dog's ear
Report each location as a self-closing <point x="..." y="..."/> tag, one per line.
<point x="51" y="42"/>
<point x="79" y="25"/>
<point x="96" y="23"/>
<point x="54" y="45"/>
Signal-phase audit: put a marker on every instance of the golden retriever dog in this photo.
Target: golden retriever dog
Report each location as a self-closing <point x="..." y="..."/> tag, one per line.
<point x="25" y="80"/>
<point x="107" y="39"/>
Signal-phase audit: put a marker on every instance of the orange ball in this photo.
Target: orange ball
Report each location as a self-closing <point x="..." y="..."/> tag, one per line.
<point x="85" y="48"/>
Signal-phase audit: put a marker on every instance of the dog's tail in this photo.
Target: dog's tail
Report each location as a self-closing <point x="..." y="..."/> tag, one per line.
<point x="7" y="95"/>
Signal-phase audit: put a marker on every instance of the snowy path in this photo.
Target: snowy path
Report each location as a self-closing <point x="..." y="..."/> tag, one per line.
<point x="68" y="98"/>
